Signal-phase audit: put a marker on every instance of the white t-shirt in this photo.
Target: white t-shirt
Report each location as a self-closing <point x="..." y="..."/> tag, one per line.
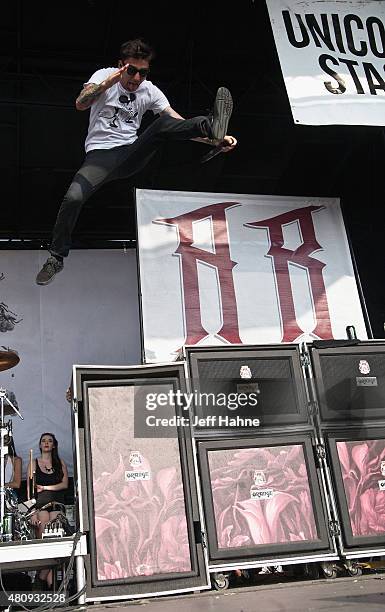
<point x="116" y="114"/>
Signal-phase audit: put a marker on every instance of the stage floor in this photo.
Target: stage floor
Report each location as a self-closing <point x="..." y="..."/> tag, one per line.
<point x="350" y="593"/>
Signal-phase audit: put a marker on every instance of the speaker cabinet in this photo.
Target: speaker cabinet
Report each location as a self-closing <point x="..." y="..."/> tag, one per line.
<point x="138" y="493"/>
<point x="350" y="382"/>
<point x="358" y="464"/>
<point x="263" y="499"/>
<point x="260" y="387"/>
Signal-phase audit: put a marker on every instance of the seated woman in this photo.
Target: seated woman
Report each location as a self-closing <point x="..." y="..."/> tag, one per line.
<point x="13" y="468"/>
<point x="51" y="479"/>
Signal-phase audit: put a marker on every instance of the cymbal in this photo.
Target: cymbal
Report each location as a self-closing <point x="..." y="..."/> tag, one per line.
<point x="8" y="359"/>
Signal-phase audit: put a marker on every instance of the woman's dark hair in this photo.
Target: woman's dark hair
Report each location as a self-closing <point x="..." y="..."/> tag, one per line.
<point x="56" y="462"/>
<point x="138" y="49"/>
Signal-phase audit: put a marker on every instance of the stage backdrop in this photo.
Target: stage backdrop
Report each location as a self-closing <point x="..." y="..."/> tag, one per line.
<point x="332" y="59"/>
<point x="88" y="315"/>
<point x="229" y="269"/>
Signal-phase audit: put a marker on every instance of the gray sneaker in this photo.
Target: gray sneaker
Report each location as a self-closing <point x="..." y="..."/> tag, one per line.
<point x="223" y="107"/>
<point x="51" y="267"/>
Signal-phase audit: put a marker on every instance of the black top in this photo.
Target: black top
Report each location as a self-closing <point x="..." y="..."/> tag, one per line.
<point x="44" y="479"/>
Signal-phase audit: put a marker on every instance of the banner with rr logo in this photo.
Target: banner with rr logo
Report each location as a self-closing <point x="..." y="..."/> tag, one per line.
<point x="242" y="269"/>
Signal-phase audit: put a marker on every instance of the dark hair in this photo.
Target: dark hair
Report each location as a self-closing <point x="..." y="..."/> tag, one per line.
<point x="138" y="49"/>
<point x="56" y="462"/>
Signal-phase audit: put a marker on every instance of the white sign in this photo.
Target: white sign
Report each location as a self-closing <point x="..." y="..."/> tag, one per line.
<point x="261" y="494"/>
<point x="242" y="269"/>
<point x="133" y="476"/>
<point x="332" y="58"/>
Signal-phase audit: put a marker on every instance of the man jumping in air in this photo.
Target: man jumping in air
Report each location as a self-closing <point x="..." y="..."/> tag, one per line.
<point x="118" y="99"/>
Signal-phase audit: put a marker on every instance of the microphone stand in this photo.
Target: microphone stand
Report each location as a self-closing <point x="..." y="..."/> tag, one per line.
<point x="4" y="430"/>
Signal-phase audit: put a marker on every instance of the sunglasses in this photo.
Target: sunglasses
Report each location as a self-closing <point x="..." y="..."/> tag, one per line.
<point x="132" y="70"/>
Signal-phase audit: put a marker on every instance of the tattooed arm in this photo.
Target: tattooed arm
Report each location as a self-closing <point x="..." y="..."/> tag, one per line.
<point x="88" y="94"/>
<point x="92" y="91"/>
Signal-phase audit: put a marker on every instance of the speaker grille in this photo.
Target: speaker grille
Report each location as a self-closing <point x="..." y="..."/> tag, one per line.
<point x="363" y="471"/>
<point x="260" y="368"/>
<point x="261" y="496"/>
<point x="354" y="382"/>
<point x="272" y="379"/>
<point x="137" y="490"/>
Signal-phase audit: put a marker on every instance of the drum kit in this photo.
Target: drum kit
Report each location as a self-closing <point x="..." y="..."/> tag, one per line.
<point x="8" y="359"/>
<point x="16" y="519"/>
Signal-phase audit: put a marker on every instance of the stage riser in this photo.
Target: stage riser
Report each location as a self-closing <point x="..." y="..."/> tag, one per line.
<point x="280" y="491"/>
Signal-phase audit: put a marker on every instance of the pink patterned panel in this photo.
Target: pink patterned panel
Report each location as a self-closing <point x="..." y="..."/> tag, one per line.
<point x="140" y="514"/>
<point x="261" y="496"/>
<point x="363" y="472"/>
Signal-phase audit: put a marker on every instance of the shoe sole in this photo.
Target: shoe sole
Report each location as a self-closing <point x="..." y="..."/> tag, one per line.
<point x="212" y="153"/>
<point x="223" y="107"/>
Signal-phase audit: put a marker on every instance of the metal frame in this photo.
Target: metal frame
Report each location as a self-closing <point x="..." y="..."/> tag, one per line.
<point x="285" y="553"/>
<point x="328" y="417"/>
<point x="302" y="422"/>
<point x="139" y="282"/>
<point x="331" y="462"/>
<point x="137" y="587"/>
<point x="14" y="555"/>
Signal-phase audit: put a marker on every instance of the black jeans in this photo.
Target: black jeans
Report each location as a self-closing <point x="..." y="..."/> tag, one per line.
<point x="103" y="165"/>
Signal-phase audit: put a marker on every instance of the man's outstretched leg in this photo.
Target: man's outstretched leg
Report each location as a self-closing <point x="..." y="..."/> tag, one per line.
<point x="212" y="129"/>
<point x="223" y="108"/>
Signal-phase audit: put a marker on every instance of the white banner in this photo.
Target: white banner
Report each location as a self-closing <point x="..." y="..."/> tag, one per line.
<point x="332" y="57"/>
<point x="88" y="315"/>
<point x="230" y="269"/>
